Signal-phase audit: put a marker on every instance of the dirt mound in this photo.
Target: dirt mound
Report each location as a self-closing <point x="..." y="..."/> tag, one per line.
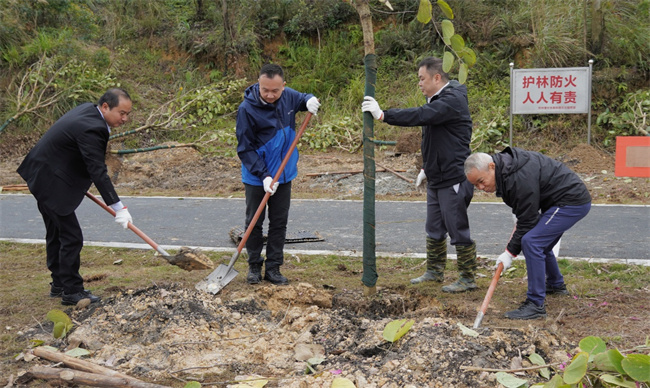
<point x="586" y="159"/>
<point x="167" y="333"/>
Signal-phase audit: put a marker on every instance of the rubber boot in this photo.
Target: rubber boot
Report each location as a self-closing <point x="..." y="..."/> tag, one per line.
<point x="436" y="261"/>
<point x="466" y="261"/>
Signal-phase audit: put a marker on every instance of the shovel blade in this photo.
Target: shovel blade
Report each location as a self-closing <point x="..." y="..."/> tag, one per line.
<point x="217" y="280"/>
<point x="479" y="319"/>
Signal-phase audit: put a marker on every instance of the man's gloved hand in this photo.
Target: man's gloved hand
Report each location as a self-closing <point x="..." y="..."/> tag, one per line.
<point x="505" y="258"/>
<point x="421" y="177"/>
<point x="371" y="105"/>
<point x="312" y="105"/>
<point x="267" y="185"/>
<point x="123" y="217"/>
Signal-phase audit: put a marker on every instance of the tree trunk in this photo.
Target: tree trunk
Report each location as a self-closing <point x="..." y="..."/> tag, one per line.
<point x="597" y="27"/>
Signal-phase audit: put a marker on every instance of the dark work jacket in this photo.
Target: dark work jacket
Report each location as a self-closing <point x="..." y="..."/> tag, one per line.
<point x="265" y="133"/>
<point x="446" y="133"/>
<point x="68" y="159"/>
<point x="531" y="183"/>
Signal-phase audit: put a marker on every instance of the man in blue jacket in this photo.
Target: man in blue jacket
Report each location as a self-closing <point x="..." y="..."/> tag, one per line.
<point x="266" y="122"/>
<point x="59" y="170"/>
<point x="547" y="198"/>
<point x="446" y="134"/>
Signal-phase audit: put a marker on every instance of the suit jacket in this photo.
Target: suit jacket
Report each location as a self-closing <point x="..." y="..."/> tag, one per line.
<point x="68" y="159"/>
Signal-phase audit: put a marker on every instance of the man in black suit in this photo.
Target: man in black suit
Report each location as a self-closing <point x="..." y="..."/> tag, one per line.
<point x="59" y="170"/>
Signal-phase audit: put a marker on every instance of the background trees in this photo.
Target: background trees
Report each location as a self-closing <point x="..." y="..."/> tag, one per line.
<point x="160" y="49"/>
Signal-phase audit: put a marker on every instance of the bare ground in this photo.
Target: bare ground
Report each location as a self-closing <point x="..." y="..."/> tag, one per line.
<point x="171" y="334"/>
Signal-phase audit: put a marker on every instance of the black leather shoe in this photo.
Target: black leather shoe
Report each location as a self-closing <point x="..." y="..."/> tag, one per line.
<point x="527" y="310"/>
<point x="274" y="276"/>
<point x="55" y="291"/>
<point x="558" y="290"/>
<point x="73" y="299"/>
<point x="254" y="273"/>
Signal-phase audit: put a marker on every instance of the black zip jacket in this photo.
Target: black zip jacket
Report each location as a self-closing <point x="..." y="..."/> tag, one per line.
<point x="531" y="183"/>
<point x="446" y="133"/>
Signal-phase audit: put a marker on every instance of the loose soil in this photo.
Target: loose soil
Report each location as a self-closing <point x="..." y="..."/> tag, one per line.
<point x="171" y="334"/>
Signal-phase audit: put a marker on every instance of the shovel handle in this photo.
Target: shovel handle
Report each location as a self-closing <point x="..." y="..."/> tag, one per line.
<point x="493" y="285"/>
<point x="130" y="226"/>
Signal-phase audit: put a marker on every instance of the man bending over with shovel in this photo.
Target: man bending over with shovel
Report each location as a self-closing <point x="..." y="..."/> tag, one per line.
<point x="266" y="122"/>
<point x="59" y="170"/>
<point x="547" y="198"/>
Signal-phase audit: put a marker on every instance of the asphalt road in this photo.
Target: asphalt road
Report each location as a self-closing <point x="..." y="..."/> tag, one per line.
<point x="608" y="232"/>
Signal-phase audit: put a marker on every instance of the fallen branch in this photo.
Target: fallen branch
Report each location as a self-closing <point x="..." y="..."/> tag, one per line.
<point x="65" y="375"/>
<point x="396" y="173"/>
<point x="477" y="369"/>
<point x="86" y="366"/>
<point x="20" y="187"/>
<point x="351" y="172"/>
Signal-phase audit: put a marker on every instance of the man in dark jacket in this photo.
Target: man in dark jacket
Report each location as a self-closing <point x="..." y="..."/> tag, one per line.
<point x="446" y="134"/>
<point x="547" y="199"/>
<point x="266" y="122"/>
<point x="59" y="170"/>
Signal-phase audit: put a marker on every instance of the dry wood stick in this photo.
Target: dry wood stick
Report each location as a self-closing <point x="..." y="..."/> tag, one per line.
<point x="86" y="366"/>
<point x="65" y="375"/>
<point x="396" y="173"/>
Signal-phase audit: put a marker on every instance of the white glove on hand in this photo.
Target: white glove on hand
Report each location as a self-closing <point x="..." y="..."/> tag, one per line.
<point x="312" y="105"/>
<point x="371" y="105"/>
<point x="421" y="176"/>
<point x="267" y="185"/>
<point x="123" y="217"/>
<point x="506" y="259"/>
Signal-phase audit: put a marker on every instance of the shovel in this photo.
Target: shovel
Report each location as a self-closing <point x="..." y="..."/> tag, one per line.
<point x="187" y="258"/>
<point x="224" y="274"/>
<point x="488" y="296"/>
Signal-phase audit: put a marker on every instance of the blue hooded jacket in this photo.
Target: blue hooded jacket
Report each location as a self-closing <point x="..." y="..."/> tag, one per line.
<point x="265" y="133"/>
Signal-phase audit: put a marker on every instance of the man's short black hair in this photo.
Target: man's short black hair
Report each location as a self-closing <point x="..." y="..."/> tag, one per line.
<point x="112" y="97"/>
<point x="434" y="66"/>
<point x="271" y="70"/>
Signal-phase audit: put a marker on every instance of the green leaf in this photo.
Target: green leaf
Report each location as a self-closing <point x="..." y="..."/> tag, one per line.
<point x="446" y="9"/>
<point x="556" y="382"/>
<point x="56" y="315"/>
<point x="342" y="382"/>
<point x="538" y="360"/>
<point x="77" y="352"/>
<point x="424" y="11"/>
<point x="462" y="73"/>
<point x="592" y="345"/>
<point x="510" y="381"/>
<point x="315" y="361"/>
<point x="577" y="369"/>
<point x="457" y="42"/>
<point x="602" y="362"/>
<point x="396" y="329"/>
<point x="447" y="61"/>
<point x="59" y="330"/>
<point x="466" y="330"/>
<point x="447" y="29"/>
<point x="637" y="366"/>
<point x="468" y="56"/>
<point x="193" y="384"/>
<point x="618" y="382"/>
<point x="616" y="357"/>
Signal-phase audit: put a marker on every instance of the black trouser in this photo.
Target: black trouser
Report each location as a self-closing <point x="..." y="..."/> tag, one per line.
<point x="278" y="209"/>
<point x="63" y="243"/>
<point x="447" y="213"/>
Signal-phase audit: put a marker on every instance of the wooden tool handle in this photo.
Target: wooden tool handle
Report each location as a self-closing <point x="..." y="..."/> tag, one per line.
<point x="493" y="285"/>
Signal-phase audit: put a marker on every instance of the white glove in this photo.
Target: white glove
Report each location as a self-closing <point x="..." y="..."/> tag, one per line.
<point x="421" y="176"/>
<point x="312" y="105"/>
<point x="123" y="217"/>
<point x="505" y="258"/>
<point x="369" y="104"/>
<point x="267" y="185"/>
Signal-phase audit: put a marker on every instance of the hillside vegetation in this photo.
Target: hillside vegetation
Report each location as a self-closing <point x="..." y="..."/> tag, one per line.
<point x="186" y="64"/>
